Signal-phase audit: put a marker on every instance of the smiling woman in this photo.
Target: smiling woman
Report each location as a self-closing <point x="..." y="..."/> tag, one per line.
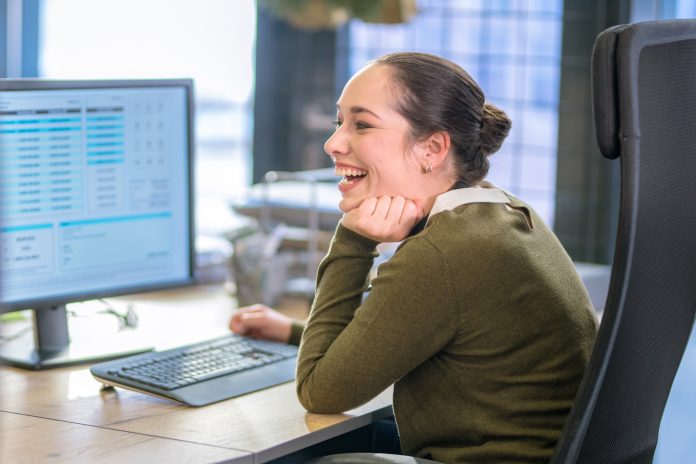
<point x="478" y="319"/>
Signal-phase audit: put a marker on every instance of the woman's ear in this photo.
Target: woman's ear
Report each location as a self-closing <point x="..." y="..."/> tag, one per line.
<point x="437" y="147"/>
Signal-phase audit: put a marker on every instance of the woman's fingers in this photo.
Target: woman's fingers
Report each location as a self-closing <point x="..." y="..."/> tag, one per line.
<point x="384" y="219"/>
<point x="368" y="206"/>
<point x="409" y="214"/>
<point x="260" y="321"/>
<point x="238" y="320"/>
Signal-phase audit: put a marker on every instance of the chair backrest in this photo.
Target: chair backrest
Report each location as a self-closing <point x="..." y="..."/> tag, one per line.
<point x="644" y="101"/>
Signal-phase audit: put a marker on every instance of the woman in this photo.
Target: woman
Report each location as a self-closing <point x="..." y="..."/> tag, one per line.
<point x="479" y="318"/>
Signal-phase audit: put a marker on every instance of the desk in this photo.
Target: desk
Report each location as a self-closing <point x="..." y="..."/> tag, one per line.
<point x="60" y="414"/>
<point x="34" y="439"/>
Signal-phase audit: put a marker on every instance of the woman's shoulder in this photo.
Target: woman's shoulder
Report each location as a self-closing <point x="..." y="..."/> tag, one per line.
<point x="482" y="230"/>
<point x="445" y="240"/>
<point x="472" y="222"/>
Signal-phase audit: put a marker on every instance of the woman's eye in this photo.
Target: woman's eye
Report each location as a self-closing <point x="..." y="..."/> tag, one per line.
<point x="361" y="125"/>
<point x="337" y="124"/>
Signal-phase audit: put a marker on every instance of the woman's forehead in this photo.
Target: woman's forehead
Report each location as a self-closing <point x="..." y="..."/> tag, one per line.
<point x="367" y="89"/>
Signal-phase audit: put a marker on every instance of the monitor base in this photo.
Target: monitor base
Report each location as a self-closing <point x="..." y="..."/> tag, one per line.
<point x="21" y="353"/>
<point x="27" y="357"/>
<point x="92" y="342"/>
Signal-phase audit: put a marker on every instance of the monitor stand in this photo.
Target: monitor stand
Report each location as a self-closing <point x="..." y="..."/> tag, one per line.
<point x="52" y="346"/>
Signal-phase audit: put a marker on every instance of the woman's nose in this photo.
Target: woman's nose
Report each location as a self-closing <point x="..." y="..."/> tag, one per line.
<point x="335" y="145"/>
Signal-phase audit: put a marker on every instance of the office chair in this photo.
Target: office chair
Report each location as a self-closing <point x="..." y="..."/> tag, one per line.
<point x="644" y="100"/>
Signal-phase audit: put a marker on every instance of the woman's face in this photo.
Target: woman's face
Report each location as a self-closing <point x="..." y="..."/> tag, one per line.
<point x="369" y="147"/>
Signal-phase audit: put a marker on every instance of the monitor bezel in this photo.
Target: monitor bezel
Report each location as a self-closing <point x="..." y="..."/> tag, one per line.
<point x="88" y="84"/>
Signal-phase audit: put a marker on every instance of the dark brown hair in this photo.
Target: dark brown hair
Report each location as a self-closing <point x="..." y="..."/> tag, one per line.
<point x="435" y="94"/>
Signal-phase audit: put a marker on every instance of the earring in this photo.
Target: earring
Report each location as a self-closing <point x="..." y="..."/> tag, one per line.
<point x="429" y="169"/>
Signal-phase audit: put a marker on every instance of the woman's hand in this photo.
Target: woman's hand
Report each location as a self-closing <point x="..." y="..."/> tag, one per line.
<point x="259" y="321"/>
<point x="384" y="219"/>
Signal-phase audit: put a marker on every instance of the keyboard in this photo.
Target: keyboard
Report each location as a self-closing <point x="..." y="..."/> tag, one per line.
<point x="205" y="372"/>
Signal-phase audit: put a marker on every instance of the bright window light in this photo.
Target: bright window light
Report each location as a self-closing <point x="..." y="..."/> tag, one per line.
<point x="211" y="41"/>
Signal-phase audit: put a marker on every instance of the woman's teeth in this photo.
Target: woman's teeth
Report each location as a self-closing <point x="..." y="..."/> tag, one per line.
<point x="350" y="172"/>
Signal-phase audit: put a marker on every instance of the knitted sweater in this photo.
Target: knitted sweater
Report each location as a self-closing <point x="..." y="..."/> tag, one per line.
<point x="480" y="322"/>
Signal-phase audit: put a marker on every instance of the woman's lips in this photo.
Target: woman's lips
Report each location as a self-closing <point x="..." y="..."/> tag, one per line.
<point x="348" y="183"/>
<point x="352" y="175"/>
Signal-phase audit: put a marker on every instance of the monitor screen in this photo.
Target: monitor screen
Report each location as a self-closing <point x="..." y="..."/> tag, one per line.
<point x="95" y="189"/>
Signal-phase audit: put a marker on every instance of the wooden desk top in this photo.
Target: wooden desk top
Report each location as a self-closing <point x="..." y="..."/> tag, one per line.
<point x="27" y="439"/>
<point x="269" y="423"/>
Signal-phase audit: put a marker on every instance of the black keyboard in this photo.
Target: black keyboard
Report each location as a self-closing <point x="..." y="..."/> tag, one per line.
<point x="204" y="372"/>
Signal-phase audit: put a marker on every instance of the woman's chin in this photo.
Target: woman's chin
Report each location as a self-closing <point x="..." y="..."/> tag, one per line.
<point x="347" y="204"/>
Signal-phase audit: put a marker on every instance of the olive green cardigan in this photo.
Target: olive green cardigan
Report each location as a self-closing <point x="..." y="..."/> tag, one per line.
<point x="480" y="322"/>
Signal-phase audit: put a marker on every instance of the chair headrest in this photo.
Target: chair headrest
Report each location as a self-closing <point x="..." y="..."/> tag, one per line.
<point x="605" y="101"/>
<point x="617" y="53"/>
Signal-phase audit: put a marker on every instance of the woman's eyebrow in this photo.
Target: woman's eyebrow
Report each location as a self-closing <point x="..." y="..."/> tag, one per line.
<point x="360" y="109"/>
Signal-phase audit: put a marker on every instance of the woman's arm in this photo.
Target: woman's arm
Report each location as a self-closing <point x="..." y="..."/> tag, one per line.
<point x="351" y="352"/>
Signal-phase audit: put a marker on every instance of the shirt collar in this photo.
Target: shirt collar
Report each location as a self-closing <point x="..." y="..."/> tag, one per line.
<point x="457" y="197"/>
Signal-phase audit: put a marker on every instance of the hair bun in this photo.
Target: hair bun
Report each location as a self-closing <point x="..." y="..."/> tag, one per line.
<point x="495" y="126"/>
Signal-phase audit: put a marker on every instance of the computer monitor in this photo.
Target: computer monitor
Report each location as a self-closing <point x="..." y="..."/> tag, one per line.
<point x="95" y="201"/>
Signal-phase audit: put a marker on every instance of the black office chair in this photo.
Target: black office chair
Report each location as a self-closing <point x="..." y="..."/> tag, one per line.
<point x="644" y="99"/>
<point x="644" y="95"/>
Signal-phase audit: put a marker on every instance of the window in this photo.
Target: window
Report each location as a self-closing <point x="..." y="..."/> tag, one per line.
<point x="512" y="48"/>
<point x="211" y="41"/>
